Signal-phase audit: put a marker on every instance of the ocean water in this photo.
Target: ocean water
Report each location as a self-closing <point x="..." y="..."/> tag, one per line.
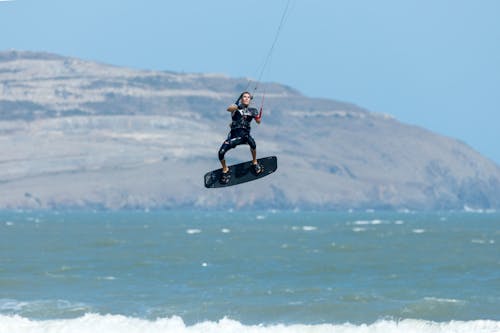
<point x="266" y="271"/>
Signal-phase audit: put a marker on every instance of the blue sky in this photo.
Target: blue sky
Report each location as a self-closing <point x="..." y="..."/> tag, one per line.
<point x="434" y="64"/>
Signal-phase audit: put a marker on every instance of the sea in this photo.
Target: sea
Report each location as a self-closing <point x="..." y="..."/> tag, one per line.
<point x="249" y="271"/>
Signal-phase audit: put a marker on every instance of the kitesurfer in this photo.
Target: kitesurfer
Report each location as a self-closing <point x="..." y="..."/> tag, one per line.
<point x="241" y="116"/>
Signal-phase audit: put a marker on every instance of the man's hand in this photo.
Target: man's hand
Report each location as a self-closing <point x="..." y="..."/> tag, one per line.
<point x="259" y="116"/>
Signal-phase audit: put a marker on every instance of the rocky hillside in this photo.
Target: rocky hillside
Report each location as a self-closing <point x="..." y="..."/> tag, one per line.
<point x="81" y="134"/>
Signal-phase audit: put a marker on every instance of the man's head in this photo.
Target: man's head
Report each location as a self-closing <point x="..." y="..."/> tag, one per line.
<point x="245" y="98"/>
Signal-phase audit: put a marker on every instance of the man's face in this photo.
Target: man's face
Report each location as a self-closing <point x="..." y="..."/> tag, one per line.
<point x="245" y="99"/>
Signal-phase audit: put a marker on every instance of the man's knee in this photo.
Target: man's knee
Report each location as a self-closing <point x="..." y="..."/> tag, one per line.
<point x="223" y="149"/>
<point x="222" y="152"/>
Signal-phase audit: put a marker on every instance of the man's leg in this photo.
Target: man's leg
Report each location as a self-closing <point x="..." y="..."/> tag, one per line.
<point x="224" y="166"/>
<point x="230" y="143"/>
<point x="254" y="155"/>
<point x="222" y="151"/>
<point x="253" y="150"/>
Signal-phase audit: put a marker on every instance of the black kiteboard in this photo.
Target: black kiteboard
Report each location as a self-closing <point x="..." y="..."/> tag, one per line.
<point x="242" y="172"/>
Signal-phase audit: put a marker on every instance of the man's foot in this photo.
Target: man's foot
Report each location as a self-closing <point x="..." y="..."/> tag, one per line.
<point x="257" y="168"/>
<point x="225" y="177"/>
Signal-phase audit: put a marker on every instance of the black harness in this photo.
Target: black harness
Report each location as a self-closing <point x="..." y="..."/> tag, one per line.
<point x="242" y="117"/>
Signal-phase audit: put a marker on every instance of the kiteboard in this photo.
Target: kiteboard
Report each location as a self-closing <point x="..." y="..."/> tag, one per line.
<point x="242" y="172"/>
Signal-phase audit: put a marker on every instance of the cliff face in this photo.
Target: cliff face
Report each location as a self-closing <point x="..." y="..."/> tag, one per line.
<point x="75" y="133"/>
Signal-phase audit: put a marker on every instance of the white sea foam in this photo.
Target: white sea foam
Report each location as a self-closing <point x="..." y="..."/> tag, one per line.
<point x="225" y="230"/>
<point x="33" y="219"/>
<point x="309" y="228"/>
<point x="358" y="229"/>
<point x="260" y="217"/>
<point x="418" y="231"/>
<point x="366" y="222"/>
<point x="444" y="300"/>
<point x="193" y="231"/>
<point x="108" y="278"/>
<point x="116" y="323"/>
<point x="482" y="241"/>
<point x="469" y="209"/>
<point x="10" y="306"/>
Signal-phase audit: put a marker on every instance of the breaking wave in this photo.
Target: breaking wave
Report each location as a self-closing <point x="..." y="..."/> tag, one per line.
<point x="116" y="323"/>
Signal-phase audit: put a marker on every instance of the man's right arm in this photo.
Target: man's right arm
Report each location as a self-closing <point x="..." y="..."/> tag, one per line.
<point x="232" y="108"/>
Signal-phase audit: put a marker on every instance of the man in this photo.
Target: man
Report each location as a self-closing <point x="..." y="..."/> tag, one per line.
<point x="241" y="115"/>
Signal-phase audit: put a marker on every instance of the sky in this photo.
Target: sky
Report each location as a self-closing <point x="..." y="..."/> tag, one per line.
<point x="429" y="63"/>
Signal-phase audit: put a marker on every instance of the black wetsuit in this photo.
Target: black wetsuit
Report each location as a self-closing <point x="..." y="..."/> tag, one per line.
<point x="240" y="130"/>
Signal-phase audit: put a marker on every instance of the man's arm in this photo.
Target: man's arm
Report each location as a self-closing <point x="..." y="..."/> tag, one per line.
<point x="232" y="108"/>
<point x="258" y="117"/>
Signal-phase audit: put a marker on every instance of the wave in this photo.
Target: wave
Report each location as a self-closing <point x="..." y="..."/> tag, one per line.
<point x="96" y="323"/>
<point x="469" y="209"/>
<point x="41" y="308"/>
<point x="366" y="222"/>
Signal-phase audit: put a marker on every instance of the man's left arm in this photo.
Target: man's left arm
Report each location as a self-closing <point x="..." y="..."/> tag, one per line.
<point x="258" y="116"/>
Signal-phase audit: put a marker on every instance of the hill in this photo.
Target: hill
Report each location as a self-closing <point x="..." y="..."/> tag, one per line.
<point x="82" y="134"/>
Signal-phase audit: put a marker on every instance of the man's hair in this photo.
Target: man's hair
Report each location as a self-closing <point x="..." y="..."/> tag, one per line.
<point x="243" y="93"/>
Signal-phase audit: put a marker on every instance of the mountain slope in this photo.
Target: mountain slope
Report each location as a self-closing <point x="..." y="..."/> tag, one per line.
<point x="76" y="133"/>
